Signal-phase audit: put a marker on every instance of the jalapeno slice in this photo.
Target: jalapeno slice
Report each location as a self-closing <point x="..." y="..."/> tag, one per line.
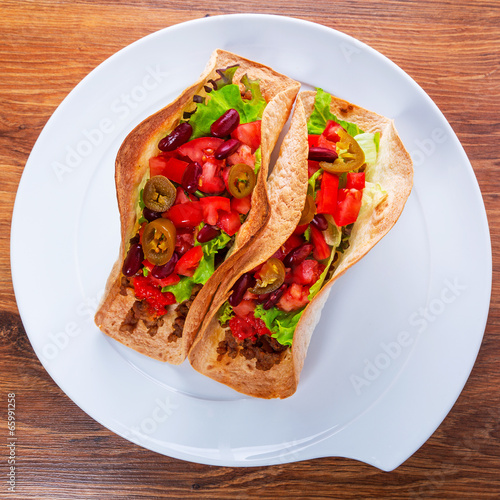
<point x="159" y="194"/>
<point x="158" y="241"/>
<point x="351" y="156"/>
<point x="270" y="277"/>
<point x="241" y="180"/>
<point x="308" y="211"/>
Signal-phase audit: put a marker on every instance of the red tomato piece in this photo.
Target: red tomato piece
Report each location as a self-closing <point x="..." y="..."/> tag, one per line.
<point x="188" y="214"/>
<point x="244" y="307"/>
<point x="292" y="242"/>
<point x="200" y="149"/>
<point x="323" y="142"/>
<point x="145" y="290"/>
<point x="348" y="205"/>
<point x="188" y="263"/>
<point x="171" y="168"/>
<point x="295" y="297"/>
<point x="242" y="155"/>
<point x="211" y="180"/>
<point x="172" y="279"/>
<point x="249" y="134"/>
<point x="326" y="199"/>
<point x="312" y="139"/>
<point x="242" y="205"/>
<point x="321" y="249"/>
<point x="229" y="222"/>
<point x="211" y="206"/>
<point x="301" y="229"/>
<point x="312" y="167"/>
<point x="331" y="131"/>
<point x="307" y="272"/>
<point x="355" y="180"/>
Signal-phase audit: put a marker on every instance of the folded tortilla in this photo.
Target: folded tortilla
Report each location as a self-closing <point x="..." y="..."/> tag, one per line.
<point x="393" y="170"/>
<point x="131" y="173"/>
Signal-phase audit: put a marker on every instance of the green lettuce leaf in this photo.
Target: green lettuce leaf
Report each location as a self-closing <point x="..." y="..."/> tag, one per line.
<point x="311" y="189"/>
<point x="182" y="290"/>
<point x="219" y="101"/>
<point x="258" y="160"/>
<point x="225" y="313"/>
<point x="206" y="266"/>
<point x="316" y="287"/>
<point x="321" y="114"/>
<point x="368" y="143"/>
<point x="373" y="195"/>
<point x="282" y="324"/>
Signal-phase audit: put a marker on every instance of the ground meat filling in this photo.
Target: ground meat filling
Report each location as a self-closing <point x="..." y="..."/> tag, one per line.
<point x="266" y="350"/>
<point x="140" y="311"/>
<point x="182" y="311"/>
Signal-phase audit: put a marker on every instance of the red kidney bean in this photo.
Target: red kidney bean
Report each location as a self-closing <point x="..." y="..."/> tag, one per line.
<point x="319" y="222"/>
<point x="180" y="135"/>
<point x="244" y="282"/>
<point x="226" y="149"/>
<point x="150" y="215"/>
<point x="207" y="233"/>
<point x="167" y="269"/>
<point x="133" y="260"/>
<point x="275" y="297"/>
<point x="298" y="255"/>
<point x="225" y="124"/>
<point x="322" y="154"/>
<point x="191" y="176"/>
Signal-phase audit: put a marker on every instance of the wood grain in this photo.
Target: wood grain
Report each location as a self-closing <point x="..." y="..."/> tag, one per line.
<point x="452" y="49"/>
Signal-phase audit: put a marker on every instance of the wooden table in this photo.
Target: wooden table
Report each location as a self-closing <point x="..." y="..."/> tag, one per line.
<point x="452" y="49"/>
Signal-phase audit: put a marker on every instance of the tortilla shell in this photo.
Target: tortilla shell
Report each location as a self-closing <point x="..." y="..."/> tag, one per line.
<point x="393" y="170"/>
<point x="131" y="172"/>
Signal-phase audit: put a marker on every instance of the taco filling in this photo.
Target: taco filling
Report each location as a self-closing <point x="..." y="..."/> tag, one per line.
<point x="194" y="201"/>
<point x="266" y="303"/>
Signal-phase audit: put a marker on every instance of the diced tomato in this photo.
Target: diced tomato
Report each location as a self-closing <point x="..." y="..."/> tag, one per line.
<point x="244" y="307"/>
<point x="171" y="168"/>
<point x="249" y="134"/>
<point x="321" y="249"/>
<point x="211" y="180"/>
<point x="348" y="205"/>
<point x="157" y="300"/>
<point x="301" y="229"/>
<point x="242" y="205"/>
<point x="326" y="199"/>
<point x="187" y="264"/>
<point x="147" y="264"/>
<point x="200" y="149"/>
<point x="331" y="131"/>
<point x="187" y="214"/>
<point x="211" y="206"/>
<point x="307" y="272"/>
<point x="355" y="180"/>
<point x="295" y="297"/>
<point x="247" y="327"/>
<point x="229" y="222"/>
<point x="184" y="240"/>
<point x="312" y="167"/>
<point x="172" y="279"/>
<point x="242" y="155"/>
<point x="323" y="142"/>
<point x="292" y="242"/>
<point x="181" y="196"/>
<point x="312" y="139"/>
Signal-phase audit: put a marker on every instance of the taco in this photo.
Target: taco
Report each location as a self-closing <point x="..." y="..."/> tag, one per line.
<point x="191" y="190"/>
<point x="359" y="175"/>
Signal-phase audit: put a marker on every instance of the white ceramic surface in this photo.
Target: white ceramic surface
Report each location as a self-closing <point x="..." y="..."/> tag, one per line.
<point x="400" y="332"/>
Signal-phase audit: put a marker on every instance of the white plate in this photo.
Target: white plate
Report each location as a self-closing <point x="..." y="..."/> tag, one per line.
<point x="400" y="332"/>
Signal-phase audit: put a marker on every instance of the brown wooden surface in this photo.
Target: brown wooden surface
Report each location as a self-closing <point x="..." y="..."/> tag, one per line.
<point x="452" y="49"/>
